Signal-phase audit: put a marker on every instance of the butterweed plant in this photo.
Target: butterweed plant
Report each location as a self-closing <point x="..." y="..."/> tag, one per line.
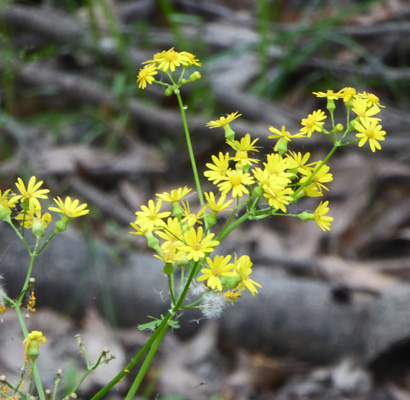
<point x="187" y="238"/>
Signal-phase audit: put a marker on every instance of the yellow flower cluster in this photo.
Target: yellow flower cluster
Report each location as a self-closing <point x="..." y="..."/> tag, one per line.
<point x="179" y="237"/>
<point x="164" y="61"/>
<point x="30" y="212"/>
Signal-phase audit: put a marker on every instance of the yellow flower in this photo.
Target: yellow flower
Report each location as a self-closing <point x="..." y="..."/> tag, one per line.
<point x="298" y="160"/>
<point x="347" y="93"/>
<point x="190" y="218"/>
<point x="8" y="202"/>
<point x="32" y="218"/>
<point x="217" y="268"/>
<point x="175" y="195"/>
<point x="321" y="219"/>
<point x="217" y="206"/>
<point x="150" y="217"/>
<point x="369" y="129"/>
<point x="69" y="208"/>
<point x="171" y="232"/>
<point x="243" y="266"/>
<point x="278" y="197"/>
<point x="329" y="94"/>
<point x="191" y="58"/>
<point x="284" y="136"/>
<point x="196" y="246"/>
<point x="313" y="123"/>
<point x="218" y="169"/>
<point x="321" y="176"/>
<point x="363" y="110"/>
<point x="245" y="144"/>
<point x="277" y="165"/>
<point x="223" y="120"/>
<point x="146" y="75"/>
<point x="32" y="343"/>
<point x="372" y="100"/>
<point x="33" y="191"/>
<point x="169" y="254"/>
<point x="236" y="181"/>
<point x="170" y="59"/>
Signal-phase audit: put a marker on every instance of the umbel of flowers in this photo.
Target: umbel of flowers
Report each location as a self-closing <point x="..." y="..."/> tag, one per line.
<point x="243" y="181"/>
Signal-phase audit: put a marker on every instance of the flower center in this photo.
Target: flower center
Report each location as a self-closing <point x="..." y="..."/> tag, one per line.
<point x="235" y="180"/>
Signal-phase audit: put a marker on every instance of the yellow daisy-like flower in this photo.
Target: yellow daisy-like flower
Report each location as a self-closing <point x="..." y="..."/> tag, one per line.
<point x="8" y="202"/>
<point x="245" y="144"/>
<point x="236" y="181"/>
<point x="372" y="99"/>
<point x="192" y="58"/>
<point x="169" y="254"/>
<point x="243" y="266"/>
<point x="370" y="130"/>
<point x="321" y="219"/>
<point x="32" y="218"/>
<point x="219" y="205"/>
<point x="196" y="246"/>
<point x="70" y="208"/>
<point x="223" y="120"/>
<point x="362" y="109"/>
<point x="278" y="198"/>
<point x="150" y="217"/>
<point x="313" y="123"/>
<point x="298" y="160"/>
<point x="347" y="93"/>
<point x="217" y="170"/>
<point x="170" y="59"/>
<point x="284" y="136"/>
<point x="171" y="232"/>
<point x="191" y="218"/>
<point x="278" y="165"/>
<point x="329" y="94"/>
<point x="217" y="268"/>
<point x="146" y="76"/>
<point x="32" y="192"/>
<point x="322" y="176"/>
<point x="175" y="195"/>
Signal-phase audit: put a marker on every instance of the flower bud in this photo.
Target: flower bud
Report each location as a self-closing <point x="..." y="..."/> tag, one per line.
<point x="306" y="216"/>
<point x="61" y="225"/>
<point x="195" y="76"/>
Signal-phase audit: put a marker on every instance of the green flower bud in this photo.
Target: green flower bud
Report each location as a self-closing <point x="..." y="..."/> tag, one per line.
<point x="195" y="76"/>
<point x="258" y="191"/>
<point x="230" y="282"/>
<point x="229" y="133"/>
<point x="37" y="228"/>
<point x="61" y="225"/>
<point x="168" y="269"/>
<point x="306" y="216"/>
<point x="168" y="91"/>
<point x="331" y="106"/>
<point x="283" y="147"/>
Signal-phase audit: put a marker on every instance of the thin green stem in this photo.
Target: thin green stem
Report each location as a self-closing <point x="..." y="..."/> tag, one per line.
<point x="190" y="150"/>
<point x="147" y="362"/>
<point x="37" y="379"/>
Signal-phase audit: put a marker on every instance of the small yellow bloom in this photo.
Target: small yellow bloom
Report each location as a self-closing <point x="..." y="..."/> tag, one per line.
<point x="322" y="176"/>
<point x="70" y="208"/>
<point x="329" y="94"/>
<point x="347" y="93"/>
<point x="243" y="266"/>
<point x="32" y="343"/>
<point x="219" y="205"/>
<point x="372" y="100"/>
<point x="170" y="59"/>
<point x="236" y="181"/>
<point x="217" y="268"/>
<point x="277" y="197"/>
<point x="146" y="76"/>
<point x="369" y="129"/>
<point x="7" y="200"/>
<point x="217" y="170"/>
<point x="150" y="217"/>
<point x="284" y="136"/>
<point x="362" y="109"/>
<point x="321" y="219"/>
<point x="32" y="192"/>
<point x="196" y="246"/>
<point x="175" y="195"/>
<point x="313" y="123"/>
<point x="192" y="60"/>
<point x="223" y="120"/>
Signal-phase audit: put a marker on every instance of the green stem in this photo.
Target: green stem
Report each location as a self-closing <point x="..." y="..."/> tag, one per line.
<point x="190" y="150"/>
<point x="37" y="379"/>
<point x="147" y="362"/>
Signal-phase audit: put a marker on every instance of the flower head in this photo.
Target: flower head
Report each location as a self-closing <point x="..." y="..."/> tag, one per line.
<point x="363" y="110"/>
<point x="146" y="75"/>
<point x="313" y="123"/>
<point x="236" y="181"/>
<point x="32" y="343"/>
<point x="223" y="120"/>
<point x="329" y="94"/>
<point x="243" y="267"/>
<point x="196" y="246"/>
<point x="321" y="219"/>
<point x="175" y="195"/>
<point x="71" y="209"/>
<point x="170" y="59"/>
<point x="7" y="200"/>
<point x="32" y="192"/>
<point x="283" y="135"/>
<point x="217" y="268"/>
<point x="150" y="217"/>
<point x="219" y="205"/>
<point x="217" y="170"/>
<point x="322" y="176"/>
<point x="347" y="93"/>
<point x="372" y="100"/>
<point x="370" y="130"/>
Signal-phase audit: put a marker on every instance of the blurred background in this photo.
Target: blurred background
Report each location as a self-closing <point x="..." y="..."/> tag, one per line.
<point x="332" y="319"/>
